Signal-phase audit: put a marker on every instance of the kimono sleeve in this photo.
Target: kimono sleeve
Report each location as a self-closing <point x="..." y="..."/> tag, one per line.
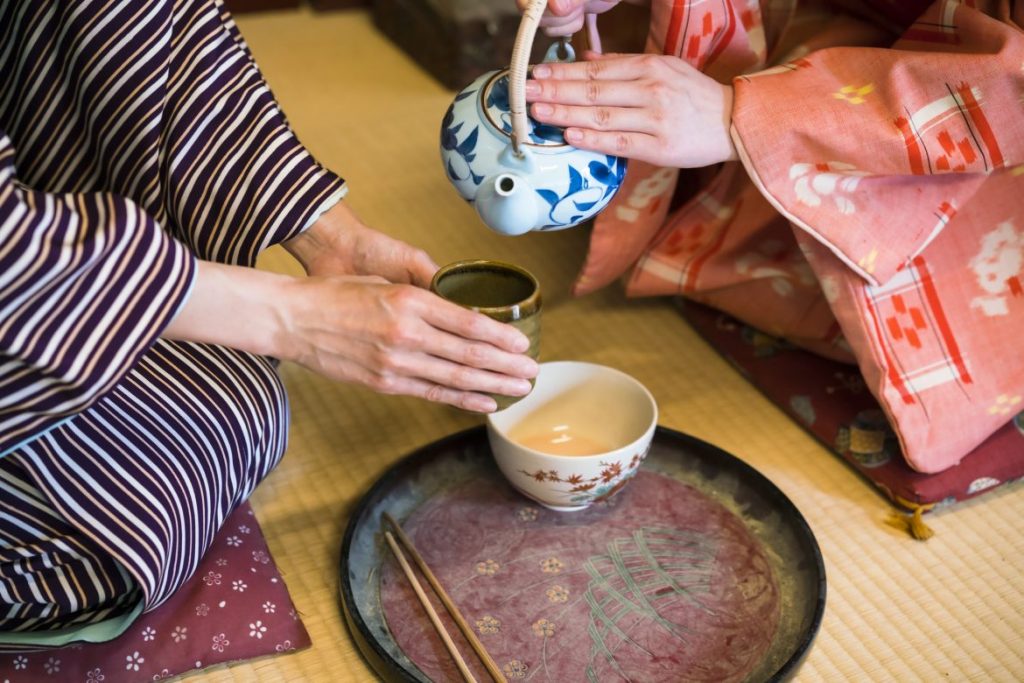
<point x="87" y="283"/>
<point x="873" y="152"/>
<point x="237" y="178"/>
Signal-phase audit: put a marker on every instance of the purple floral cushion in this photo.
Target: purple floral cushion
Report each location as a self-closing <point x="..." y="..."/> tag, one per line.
<point x="236" y="607"/>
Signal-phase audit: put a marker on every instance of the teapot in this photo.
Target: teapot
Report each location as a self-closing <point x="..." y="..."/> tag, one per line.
<point x="522" y="175"/>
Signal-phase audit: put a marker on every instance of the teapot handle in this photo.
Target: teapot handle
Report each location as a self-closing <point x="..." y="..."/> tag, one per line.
<point x="520" y="64"/>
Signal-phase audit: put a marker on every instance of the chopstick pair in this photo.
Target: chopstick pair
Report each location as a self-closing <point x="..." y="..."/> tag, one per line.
<point x="467" y="631"/>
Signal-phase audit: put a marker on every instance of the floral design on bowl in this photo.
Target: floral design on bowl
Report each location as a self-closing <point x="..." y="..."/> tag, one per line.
<point x="582" y="489"/>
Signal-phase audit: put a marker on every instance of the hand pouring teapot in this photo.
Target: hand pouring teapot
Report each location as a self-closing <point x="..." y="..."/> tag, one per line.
<point x="521" y="175"/>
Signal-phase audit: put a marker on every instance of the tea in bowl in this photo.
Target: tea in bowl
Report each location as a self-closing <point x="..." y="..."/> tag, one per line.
<point x="577" y="438"/>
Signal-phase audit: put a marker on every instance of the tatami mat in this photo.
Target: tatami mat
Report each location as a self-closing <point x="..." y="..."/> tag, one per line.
<point x="950" y="609"/>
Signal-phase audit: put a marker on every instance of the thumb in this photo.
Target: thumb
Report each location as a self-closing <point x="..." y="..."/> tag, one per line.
<point x="420" y="268"/>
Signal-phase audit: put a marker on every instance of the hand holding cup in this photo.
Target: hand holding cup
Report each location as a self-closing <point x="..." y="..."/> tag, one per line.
<point x="501" y="291"/>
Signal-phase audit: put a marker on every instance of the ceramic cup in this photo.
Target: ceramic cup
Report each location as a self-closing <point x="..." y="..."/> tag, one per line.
<point x="501" y="291"/>
<point x="578" y="438"/>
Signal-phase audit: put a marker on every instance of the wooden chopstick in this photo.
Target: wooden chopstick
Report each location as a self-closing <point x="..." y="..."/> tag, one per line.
<point x="467" y="675"/>
<point x="467" y="630"/>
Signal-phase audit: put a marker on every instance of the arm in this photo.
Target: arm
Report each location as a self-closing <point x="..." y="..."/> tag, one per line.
<point x="362" y="316"/>
<point x="87" y="282"/>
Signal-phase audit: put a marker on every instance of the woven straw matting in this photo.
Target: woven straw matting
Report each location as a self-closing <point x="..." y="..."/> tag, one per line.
<point x="951" y="608"/>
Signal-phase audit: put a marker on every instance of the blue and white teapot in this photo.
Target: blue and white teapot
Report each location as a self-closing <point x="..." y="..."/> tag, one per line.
<point x="521" y="175"/>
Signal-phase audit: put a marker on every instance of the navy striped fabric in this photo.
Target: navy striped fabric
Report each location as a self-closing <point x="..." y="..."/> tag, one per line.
<point x="135" y="137"/>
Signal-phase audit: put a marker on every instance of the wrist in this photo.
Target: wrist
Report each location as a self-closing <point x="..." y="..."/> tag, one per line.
<point x="238" y="307"/>
<point x="304" y="246"/>
<point x="331" y="233"/>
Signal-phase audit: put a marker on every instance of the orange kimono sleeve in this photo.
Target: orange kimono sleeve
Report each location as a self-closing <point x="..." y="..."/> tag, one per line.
<point x="903" y="170"/>
<point x="873" y="152"/>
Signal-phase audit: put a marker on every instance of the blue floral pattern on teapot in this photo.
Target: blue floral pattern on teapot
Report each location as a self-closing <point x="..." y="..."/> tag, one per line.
<point x="546" y="185"/>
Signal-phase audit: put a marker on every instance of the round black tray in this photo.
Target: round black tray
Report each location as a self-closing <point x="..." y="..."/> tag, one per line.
<point x="438" y="467"/>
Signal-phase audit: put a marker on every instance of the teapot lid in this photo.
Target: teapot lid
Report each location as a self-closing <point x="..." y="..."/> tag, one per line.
<point x="494" y="101"/>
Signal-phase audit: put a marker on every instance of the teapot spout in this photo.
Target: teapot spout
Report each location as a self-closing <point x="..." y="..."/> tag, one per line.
<point x="507" y="204"/>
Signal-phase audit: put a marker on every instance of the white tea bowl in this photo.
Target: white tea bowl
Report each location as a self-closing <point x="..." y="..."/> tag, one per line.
<point x="577" y="438"/>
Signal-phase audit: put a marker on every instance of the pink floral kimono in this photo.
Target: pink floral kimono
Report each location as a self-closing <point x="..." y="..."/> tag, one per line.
<point x="877" y="211"/>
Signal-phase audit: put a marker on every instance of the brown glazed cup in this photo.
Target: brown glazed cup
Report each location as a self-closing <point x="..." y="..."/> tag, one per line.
<point x="502" y="291"/>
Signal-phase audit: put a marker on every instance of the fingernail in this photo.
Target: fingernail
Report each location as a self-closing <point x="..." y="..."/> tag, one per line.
<point x="483" y="405"/>
<point x="532" y="88"/>
<point x="573" y="135"/>
<point x="542" y="71"/>
<point x="542" y="109"/>
<point x="522" y="388"/>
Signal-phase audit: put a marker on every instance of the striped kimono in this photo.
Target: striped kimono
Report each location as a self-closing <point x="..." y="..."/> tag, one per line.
<point x="135" y="138"/>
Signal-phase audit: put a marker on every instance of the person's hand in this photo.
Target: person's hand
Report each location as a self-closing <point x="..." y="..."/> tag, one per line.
<point x="363" y="315"/>
<point x="653" y="108"/>
<point x="565" y="17"/>
<point x="383" y="329"/>
<point x="338" y="243"/>
<point x="401" y="339"/>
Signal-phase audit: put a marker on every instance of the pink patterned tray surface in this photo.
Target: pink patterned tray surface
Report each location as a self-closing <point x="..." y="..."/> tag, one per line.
<point x="660" y="583"/>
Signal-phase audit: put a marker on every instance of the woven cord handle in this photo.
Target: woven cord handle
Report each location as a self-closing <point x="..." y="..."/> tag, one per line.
<point x="517" y="70"/>
<point x="521" y="64"/>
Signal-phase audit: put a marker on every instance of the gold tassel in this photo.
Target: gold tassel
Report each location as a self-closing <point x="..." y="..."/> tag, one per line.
<point x="914" y="522"/>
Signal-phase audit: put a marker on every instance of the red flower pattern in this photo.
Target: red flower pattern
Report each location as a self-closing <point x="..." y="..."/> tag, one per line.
<point x="612" y="477"/>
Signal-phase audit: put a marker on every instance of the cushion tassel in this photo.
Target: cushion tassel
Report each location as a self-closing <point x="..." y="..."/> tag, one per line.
<point x="914" y="522"/>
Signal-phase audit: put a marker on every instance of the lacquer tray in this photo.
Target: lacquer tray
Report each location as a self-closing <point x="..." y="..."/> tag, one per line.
<point x="699" y="569"/>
